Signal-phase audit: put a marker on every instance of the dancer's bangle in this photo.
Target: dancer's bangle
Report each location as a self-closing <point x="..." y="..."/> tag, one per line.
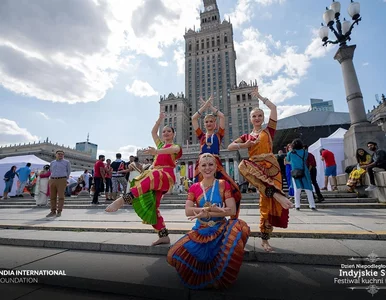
<point x="238" y="145"/>
<point x="199" y="113"/>
<point x="265" y="100"/>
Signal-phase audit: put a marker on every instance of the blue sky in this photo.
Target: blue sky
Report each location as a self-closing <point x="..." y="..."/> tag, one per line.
<point x="70" y="67"/>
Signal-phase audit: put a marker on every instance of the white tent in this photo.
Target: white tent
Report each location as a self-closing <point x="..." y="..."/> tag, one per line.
<point x="333" y="143"/>
<point x="18" y="161"/>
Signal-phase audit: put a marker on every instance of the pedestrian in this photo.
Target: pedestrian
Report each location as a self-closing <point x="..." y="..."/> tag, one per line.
<point x="147" y="190"/>
<point x="302" y="181"/>
<point x="60" y="172"/>
<point x="8" y="179"/>
<point x="263" y="171"/>
<point x="210" y="255"/>
<point x="118" y="178"/>
<point x="379" y="161"/>
<point x="99" y="178"/>
<point x="24" y="175"/>
<point x="330" y="169"/>
<point x="42" y="190"/>
<point x="288" y="174"/>
<point x="311" y="165"/>
<point x="109" y="184"/>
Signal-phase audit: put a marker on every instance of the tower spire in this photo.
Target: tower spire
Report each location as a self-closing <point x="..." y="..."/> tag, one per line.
<point x="88" y="137"/>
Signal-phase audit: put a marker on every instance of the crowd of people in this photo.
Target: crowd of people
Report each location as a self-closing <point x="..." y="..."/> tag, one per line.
<point x="213" y="199"/>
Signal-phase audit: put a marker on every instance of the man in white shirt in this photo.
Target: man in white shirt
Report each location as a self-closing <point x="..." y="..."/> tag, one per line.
<point x="86" y="178"/>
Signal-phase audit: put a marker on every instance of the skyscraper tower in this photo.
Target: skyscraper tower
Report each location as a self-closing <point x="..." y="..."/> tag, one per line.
<point x="210" y="65"/>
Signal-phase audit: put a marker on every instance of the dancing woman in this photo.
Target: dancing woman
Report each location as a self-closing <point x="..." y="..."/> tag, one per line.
<point x="263" y="171"/>
<point x="210" y="255"/>
<point x="148" y="188"/>
<point x="210" y="142"/>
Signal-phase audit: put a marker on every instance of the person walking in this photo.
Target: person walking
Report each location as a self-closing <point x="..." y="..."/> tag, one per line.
<point x="99" y="178"/>
<point x="24" y="175"/>
<point x="8" y="179"/>
<point x="298" y="157"/>
<point x="60" y="172"/>
<point x="311" y="165"/>
<point x="329" y="159"/>
<point x="109" y="184"/>
<point x="42" y="190"/>
<point x="118" y="178"/>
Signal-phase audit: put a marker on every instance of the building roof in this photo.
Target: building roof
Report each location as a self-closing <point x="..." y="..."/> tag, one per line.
<point x="314" y="118"/>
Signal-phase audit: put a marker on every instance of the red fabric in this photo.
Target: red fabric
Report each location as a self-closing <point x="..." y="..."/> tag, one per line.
<point x="311" y="160"/>
<point x="109" y="171"/>
<point x="329" y="158"/>
<point x="97" y="172"/>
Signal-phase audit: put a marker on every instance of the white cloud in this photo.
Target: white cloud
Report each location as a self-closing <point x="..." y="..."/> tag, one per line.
<point x="44" y="115"/>
<point x="141" y="89"/>
<point x="163" y="63"/>
<point x="243" y="12"/>
<point x="126" y="151"/>
<point x="179" y="58"/>
<point x="277" y="68"/>
<point x="11" y="133"/>
<point x="66" y="51"/>
<point x="365" y="64"/>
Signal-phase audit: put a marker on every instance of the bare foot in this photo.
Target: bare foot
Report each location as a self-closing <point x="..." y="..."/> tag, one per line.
<point x="117" y="204"/>
<point x="284" y="202"/>
<point x="162" y="240"/>
<point x="266" y="246"/>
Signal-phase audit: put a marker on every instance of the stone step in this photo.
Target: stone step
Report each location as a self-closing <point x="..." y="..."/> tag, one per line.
<point x="243" y="206"/>
<point x="300" y="251"/>
<point x="182" y="201"/>
<point x="179" y="228"/>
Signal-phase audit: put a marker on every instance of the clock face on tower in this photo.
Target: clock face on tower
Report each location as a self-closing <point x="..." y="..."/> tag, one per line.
<point x="209" y="8"/>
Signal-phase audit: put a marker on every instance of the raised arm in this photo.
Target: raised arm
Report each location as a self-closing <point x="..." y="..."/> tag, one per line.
<point x="273" y="115"/>
<point x="220" y="115"/>
<point x="154" y="131"/>
<point x="199" y="112"/>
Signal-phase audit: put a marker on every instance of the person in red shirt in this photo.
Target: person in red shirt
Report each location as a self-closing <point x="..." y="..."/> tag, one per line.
<point x="99" y="178"/>
<point x="329" y="159"/>
<point x="311" y="164"/>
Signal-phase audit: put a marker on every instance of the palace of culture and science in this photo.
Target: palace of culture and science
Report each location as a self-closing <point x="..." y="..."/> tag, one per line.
<point x="210" y="69"/>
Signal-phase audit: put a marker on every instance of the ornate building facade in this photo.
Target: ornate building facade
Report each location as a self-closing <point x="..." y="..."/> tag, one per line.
<point x="46" y="151"/>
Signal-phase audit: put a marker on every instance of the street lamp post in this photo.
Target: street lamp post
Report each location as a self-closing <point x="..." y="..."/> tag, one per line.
<point x="361" y="130"/>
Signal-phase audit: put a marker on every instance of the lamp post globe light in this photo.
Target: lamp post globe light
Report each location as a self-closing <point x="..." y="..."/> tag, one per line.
<point x="361" y="130"/>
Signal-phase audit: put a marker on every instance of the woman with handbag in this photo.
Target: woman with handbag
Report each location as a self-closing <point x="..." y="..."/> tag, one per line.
<point x="301" y="177"/>
<point x="262" y="170"/>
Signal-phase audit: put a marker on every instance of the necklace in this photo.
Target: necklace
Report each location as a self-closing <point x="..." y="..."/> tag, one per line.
<point x="208" y="144"/>
<point x="255" y="133"/>
<point x="208" y="203"/>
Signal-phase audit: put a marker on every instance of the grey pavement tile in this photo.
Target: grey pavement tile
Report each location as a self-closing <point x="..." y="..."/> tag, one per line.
<point x="367" y="247"/>
<point x="13" y="257"/>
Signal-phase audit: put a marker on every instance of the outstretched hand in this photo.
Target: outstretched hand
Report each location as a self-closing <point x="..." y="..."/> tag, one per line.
<point x="255" y="93"/>
<point x="151" y="151"/>
<point x="220" y="209"/>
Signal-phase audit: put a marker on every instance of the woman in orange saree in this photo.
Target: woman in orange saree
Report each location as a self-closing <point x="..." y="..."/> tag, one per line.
<point x="263" y="171"/>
